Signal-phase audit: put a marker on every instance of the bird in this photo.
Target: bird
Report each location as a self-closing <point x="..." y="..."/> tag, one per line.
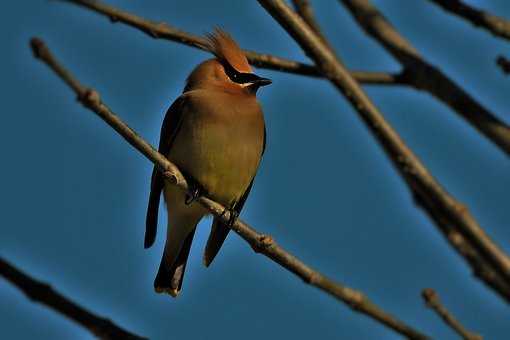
<point x="215" y="133"/>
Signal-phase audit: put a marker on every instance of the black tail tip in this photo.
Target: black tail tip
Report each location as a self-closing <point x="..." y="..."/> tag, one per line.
<point x="148" y="242"/>
<point x="167" y="290"/>
<point x="207" y="260"/>
<point x="163" y="288"/>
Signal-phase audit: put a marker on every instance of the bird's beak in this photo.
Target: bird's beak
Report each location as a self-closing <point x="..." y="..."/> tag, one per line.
<point x="254" y="82"/>
<point x="259" y="81"/>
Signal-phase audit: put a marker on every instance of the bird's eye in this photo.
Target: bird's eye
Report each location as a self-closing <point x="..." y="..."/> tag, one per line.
<point x="232" y="73"/>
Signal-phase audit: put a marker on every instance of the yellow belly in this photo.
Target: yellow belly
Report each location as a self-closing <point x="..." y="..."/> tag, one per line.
<point x="220" y="146"/>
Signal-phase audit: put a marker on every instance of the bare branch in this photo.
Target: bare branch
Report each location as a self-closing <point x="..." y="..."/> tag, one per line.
<point x="164" y="31"/>
<point x="378" y="78"/>
<point x="432" y="300"/>
<point x="259" y="242"/>
<point x="44" y="294"/>
<point x="427" y="191"/>
<point x="481" y="269"/>
<point x="422" y="75"/>
<point x="305" y="10"/>
<point x="498" y="26"/>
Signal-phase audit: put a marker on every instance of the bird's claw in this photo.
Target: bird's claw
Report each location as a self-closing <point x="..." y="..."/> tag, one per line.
<point x="192" y="196"/>
<point x="232" y="217"/>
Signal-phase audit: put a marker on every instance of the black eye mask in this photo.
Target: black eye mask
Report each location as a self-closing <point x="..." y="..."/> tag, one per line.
<point x="244" y="78"/>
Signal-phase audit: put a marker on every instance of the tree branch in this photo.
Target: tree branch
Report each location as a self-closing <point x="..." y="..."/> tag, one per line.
<point x="44" y="294"/>
<point x="432" y="300"/>
<point x="305" y="10"/>
<point x="498" y="26"/>
<point x="164" y="31"/>
<point x="481" y="269"/>
<point x="422" y="75"/>
<point x="440" y="205"/>
<point x="260" y="242"/>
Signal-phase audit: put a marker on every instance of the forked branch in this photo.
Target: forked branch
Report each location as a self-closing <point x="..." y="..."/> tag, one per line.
<point x="422" y="75"/>
<point x="432" y="300"/>
<point x="437" y="202"/>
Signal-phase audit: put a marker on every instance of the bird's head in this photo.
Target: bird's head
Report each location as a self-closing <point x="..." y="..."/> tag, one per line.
<point x="230" y="69"/>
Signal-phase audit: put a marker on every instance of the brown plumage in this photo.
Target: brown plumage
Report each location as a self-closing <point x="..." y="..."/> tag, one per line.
<point x="221" y="44"/>
<point x="214" y="132"/>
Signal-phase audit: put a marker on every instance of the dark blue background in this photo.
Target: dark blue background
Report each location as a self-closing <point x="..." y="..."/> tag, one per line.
<point x="74" y="194"/>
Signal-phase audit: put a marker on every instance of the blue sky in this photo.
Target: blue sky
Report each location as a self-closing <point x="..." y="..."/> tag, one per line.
<point x="74" y="194"/>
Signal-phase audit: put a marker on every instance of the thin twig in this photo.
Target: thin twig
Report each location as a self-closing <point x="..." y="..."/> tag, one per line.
<point x="481" y="269"/>
<point x="432" y="300"/>
<point x="422" y="75"/>
<point x="44" y="294"/>
<point x="427" y="191"/>
<point x="498" y="26"/>
<point x="164" y="31"/>
<point x="305" y="10"/>
<point x="263" y="244"/>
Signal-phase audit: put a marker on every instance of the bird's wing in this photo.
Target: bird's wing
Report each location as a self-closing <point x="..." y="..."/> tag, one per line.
<point x="219" y="231"/>
<point x="169" y="130"/>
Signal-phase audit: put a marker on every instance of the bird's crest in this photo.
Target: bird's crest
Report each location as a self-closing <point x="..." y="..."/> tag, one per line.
<point x="221" y="44"/>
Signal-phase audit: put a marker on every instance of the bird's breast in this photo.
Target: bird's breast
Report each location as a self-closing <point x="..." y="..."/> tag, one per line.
<point x="220" y="144"/>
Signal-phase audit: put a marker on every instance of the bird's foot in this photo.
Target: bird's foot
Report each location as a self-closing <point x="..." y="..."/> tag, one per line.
<point x="232" y="217"/>
<point x="192" y="195"/>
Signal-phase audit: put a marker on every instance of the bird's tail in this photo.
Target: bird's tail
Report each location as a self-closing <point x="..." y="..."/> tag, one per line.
<point x="219" y="232"/>
<point x="173" y="263"/>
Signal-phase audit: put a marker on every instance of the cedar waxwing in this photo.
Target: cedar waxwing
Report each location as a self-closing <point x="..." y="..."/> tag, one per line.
<point x="215" y="134"/>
